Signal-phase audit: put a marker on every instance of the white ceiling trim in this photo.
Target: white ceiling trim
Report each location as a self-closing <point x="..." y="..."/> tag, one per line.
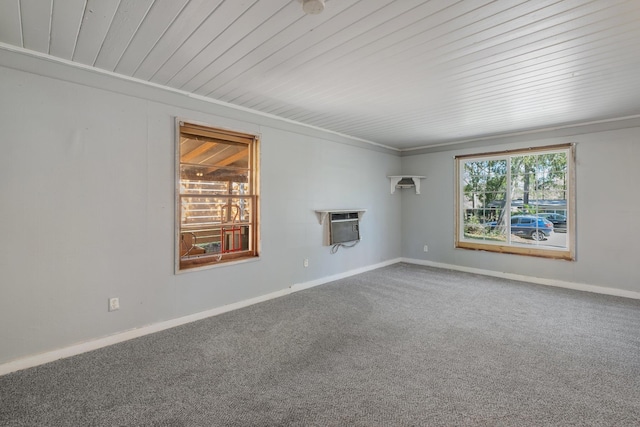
<point x="421" y="149"/>
<point x="46" y="57"/>
<point x="522" y="133"/>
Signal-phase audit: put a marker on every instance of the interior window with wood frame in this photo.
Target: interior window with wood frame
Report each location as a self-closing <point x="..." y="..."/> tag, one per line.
<point x="217" y="196"/>
<point x="517" y="201"/>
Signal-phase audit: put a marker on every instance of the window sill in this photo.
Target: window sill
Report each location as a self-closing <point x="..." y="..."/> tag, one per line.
<point x="551" y="253"/>
<point x="221" y="264"/>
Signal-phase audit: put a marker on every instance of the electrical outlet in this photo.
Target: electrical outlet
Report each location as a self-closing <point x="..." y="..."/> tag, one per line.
<point x="426" y="248"/>
<point x="305" y="262"/>
<point x="114" y="304"/>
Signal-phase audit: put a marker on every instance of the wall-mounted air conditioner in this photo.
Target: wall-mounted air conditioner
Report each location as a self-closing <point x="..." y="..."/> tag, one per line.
<point x="340" y="225"/>
<point x="343" y="227"/>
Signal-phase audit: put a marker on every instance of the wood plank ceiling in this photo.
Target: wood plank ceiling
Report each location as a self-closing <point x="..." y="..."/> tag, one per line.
<point x="403" y="73"/>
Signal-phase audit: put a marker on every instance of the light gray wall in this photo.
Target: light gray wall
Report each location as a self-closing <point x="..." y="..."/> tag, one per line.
<point x="87" y="211"/>
<point x="87" y="189"/>
<point x="608" y="208"/>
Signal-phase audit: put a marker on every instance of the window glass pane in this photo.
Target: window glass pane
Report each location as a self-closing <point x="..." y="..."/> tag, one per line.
<point x="484" y="196"/>
<point x="196" y="179"/>
<point x="215" y="225"/>
<point x="539" y="187"/>
<point x="203" y="151"/>
<point x="215" y="240"/>
<point x="199" y="212"/>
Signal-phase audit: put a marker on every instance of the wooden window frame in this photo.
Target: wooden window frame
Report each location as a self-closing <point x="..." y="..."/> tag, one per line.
<point x="217" y="135"/>
<point x="567" y="253"/>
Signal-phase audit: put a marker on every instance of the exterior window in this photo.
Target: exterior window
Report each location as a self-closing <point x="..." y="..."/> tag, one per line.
<point x="519" y="201"/>
<point x="217" y="196"/>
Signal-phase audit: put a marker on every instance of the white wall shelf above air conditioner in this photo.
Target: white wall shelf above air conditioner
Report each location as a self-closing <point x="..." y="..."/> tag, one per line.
<point x="405" y="181"/>
<point x="324" y="213"/>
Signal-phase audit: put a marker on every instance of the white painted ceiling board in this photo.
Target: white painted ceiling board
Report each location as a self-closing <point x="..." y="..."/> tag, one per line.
<point x="246" y="72"/>
<point x="10" y="23"/>
<point x="191" y="17"/>
<point x="65" y="27"/>
<point x="573" y="59"/>
<point x="351" y="74"/>
<point x="346" y="59"/>
<point x="36" y="24"/>
<point x="302" y="64"/>
<point x="349" y="51"/>
<point x="535" y="80"/>
<point x="93" y="30"/>
<point x="414" y="67"/>
<point x="527" y="40"/>
<point x="156" y="23"/>
<point x="254" y="20"/>
<point x="537" y="61"/>
<point x="126" y="21"/>
<point x="401" y="73"/>
<point x="264" y="31"/>
<point x="588" y="62"/>
<point x="206" y="34"/>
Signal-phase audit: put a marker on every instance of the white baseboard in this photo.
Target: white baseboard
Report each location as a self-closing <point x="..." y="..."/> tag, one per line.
<point x="538" y="280"/>
<point x="50" y="356"/>
<point x="322" y="281"/>
<point x="72" y="350"/>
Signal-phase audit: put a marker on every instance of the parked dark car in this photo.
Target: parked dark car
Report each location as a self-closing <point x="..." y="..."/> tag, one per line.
<point x="559" y="221"/>
<point x="535" y="227"/>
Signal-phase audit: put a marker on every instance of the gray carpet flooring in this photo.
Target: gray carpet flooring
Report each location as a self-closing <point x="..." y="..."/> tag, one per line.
<point x="404" y="345"/>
